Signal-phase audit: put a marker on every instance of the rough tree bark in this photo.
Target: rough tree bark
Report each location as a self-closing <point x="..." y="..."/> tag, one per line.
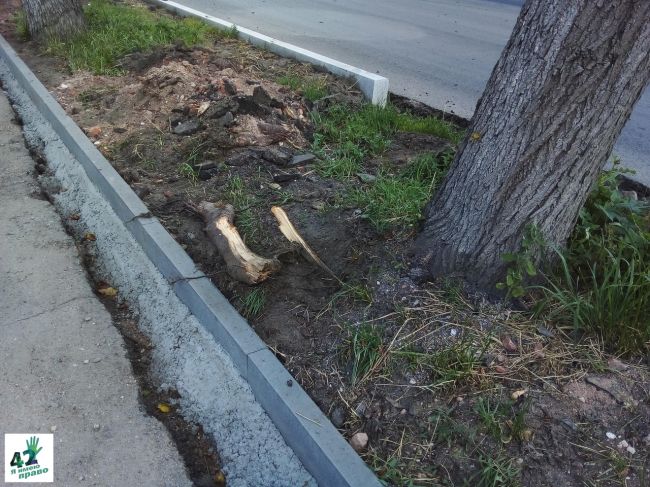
<point x="555" y="103"/>
<point x="59" y="19"/>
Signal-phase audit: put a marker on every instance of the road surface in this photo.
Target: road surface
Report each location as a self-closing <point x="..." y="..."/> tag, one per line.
<point x="440" y="52"/>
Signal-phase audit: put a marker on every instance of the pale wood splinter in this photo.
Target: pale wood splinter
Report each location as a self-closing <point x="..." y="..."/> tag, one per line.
<point x="241" y="263"/>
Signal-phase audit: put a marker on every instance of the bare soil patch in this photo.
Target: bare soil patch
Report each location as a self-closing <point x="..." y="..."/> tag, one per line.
<point x="450" y="389"/>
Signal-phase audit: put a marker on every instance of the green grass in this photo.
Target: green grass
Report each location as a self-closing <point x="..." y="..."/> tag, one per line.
<point x="455" y="364"/>
<point x="187" y="171"/>
<point x="311" y="88"/>
<point x="346" y="136"/>
<point x="243" y="202"/>
<point x="370" y="128"/>
<point x="253" y="303"/>
<point x="496" y="471"/>
<point x="355" y="292"/>
<point x="602" y="283"/>
<point x="22" y="29"/>
<point x="490" y="412"/>
<point x="363" y="348"/>
<point x="392" y="201"/>
<point x="115" y="30"/>
<point x="448" y="430"/>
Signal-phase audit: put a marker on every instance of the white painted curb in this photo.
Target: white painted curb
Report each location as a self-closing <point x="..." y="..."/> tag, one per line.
<point x="373" y="86"/>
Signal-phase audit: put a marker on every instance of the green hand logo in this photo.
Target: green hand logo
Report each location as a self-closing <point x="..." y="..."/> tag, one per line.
<point x="32" y="450"/>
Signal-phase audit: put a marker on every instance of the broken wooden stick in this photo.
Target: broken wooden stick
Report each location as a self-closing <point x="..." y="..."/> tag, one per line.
<point x="290" y="232"/>
<point x="241" y="263"/>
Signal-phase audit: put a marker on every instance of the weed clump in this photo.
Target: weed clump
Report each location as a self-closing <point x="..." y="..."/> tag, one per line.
<point x="602" y="284"/>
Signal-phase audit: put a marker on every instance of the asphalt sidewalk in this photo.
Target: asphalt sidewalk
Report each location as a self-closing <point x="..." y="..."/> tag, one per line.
<point x="63" y="368"/>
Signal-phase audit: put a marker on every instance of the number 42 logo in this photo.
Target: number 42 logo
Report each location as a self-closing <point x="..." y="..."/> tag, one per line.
<point x="32" y="451"/>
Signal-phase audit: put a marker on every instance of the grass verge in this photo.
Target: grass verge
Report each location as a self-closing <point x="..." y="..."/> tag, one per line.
<point x="115" y="30"/>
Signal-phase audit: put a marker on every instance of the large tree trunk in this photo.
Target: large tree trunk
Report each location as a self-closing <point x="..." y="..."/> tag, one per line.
<point x="60" y="19"/>
<point x="555" y="104"/>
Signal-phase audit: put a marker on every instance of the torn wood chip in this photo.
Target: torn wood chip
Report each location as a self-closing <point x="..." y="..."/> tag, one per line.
<point x="290" y="232"/>
<point x="241" y="263"/>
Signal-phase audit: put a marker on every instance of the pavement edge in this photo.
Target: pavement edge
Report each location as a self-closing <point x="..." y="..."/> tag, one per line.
<point x="319" y="446"/>
<point x="373" y="86"/>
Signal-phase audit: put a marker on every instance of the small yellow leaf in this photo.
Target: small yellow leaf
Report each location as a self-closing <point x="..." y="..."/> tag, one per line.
<point x="518" y="393"/>
<point x="475" y="137"/>
<point x="164" y="408"/>
<point x="526" y="435"/>
<point x="107" y="291"/>
<point x="220" y="479"/>
<point x="90" y="237"/>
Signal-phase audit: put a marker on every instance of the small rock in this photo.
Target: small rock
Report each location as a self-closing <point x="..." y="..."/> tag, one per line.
<point x="542" y="330"/>
<point x="359" y="441"/>
<point x="219" y="108"/>
<point x="53" y="428"/>
<point x="622" y="444"/>
<point x="74" y="109"/>
<point x="276" y="155"/>
<point x="616" y="365"/>
<point x="206" y="169"/>
<point x="260" y="96"/>
<point x="242" y="157"/>
<point x="412" y="381"/>
<point x="285" y="177"/>
<point x="631" y="450"/>
<point x="338" y="417"/>
<point x="86" y="361"/>
<point x="96" y="427"/>
<point x="97" y="360"/>
<point x="187" y="127"/>
<point x="570" y="425"/>
<point x="508" y="344"/>
<point x="226" y="121"/>
<point x="301" y="159"/>
<point x="611" y="386"/>
<point x="366" y="178"/>
<point x="94" y="132"/>
<point x="610" y="435"/>
<point x="275" y="186"/>
<point x="646" y="440"/>
<point x="87" y="318"/>
<point x="119" y="130"/>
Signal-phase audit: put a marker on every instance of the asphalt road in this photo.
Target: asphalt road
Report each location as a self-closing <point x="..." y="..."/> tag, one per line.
<point x="440" y="52"/>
